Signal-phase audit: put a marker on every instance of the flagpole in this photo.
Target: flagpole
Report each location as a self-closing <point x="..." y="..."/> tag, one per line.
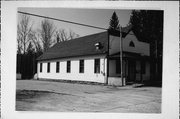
<point x="121" y="56"/>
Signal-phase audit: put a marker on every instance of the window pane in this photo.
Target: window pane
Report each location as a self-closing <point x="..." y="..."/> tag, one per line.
<point x="68" y="66"/>
<point x="48" y="67"/>
<point x="131" y="44"/>
<point x="97" y="66"/>
<point x="81" y="66"/>
<point x="40" y="67"/>
<point x="57" y="67"/>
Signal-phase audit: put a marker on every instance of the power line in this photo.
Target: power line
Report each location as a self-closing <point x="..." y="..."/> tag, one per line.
<point x="62" y="20"/>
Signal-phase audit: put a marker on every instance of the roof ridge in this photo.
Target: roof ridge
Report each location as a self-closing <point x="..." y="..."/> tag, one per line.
<point x="85" y="36"/>
<point x="76" y="39"/>
<point x="78" y="46"/>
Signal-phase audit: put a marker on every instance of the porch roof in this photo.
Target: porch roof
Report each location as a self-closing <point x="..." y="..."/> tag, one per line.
<point x="129" y="55"/>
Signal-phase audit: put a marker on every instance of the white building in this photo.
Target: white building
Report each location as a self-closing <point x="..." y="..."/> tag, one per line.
<point x="96" y="58"/>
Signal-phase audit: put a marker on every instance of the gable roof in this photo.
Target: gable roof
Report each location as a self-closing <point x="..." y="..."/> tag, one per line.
<point x="125" y="31"/>
<point x="82" y="46"/>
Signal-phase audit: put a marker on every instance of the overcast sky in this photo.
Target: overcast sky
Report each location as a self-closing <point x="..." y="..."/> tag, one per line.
<point x="95" y="17"/>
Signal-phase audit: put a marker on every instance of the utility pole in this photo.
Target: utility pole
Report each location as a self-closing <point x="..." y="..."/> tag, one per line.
<point x="121" y="55"/>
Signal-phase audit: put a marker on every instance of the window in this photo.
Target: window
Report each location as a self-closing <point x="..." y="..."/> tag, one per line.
<point x="57" y="67"/>
<point x="48" y="67"/>
<point x="143" y="67"/>
<point x="131" y="44"/>
<point x="97" y="66"/>
<point x="40" y="67"/>
<point x="68" y="66"/>
<point x="81" y="66"/>
<point x="118" y="67"/>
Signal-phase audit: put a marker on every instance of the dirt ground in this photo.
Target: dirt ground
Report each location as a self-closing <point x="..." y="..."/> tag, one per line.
<point x="33" y="95"/>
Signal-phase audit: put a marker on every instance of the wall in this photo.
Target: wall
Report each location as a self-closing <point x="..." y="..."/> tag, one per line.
<point x="114" y="44"/>
<point x="116" y="81"/>
<point x="112" y="68"/>
<point x="88" y="74"/>
<point x="140" y="47"/>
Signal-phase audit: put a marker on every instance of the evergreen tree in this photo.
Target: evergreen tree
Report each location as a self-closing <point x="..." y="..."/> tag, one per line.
<point x="30" y="49"/>
<point x="114" y="22"/>
<point x="148" y="27"/>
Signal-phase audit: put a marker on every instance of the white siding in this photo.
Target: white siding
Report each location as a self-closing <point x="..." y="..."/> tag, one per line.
<point x="114" y="44"/>
<point x="88" y="74"/>
<point x="140" y="47"/>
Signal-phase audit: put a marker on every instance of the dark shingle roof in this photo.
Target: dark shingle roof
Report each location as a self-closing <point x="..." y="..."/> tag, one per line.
<point x="82" y="46"/>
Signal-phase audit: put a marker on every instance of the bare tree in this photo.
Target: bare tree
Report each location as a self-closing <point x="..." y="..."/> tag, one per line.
<point x="24" y="29"/>
<point x="72" y="35"/>
<point x="47" y="30"/>
<point x="30" y="48"/>
<point x="19" y="45"/>
<point x="37" y="43"/>
<point x="62" y="35"/>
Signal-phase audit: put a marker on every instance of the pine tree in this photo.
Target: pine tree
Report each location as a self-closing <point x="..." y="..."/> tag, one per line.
<point x="148" y="27"/>
<point x="30" y="49"/>
<point x="114" y="22"/>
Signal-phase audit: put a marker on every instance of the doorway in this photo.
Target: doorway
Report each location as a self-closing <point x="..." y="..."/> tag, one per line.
<point x="131" y="71"/>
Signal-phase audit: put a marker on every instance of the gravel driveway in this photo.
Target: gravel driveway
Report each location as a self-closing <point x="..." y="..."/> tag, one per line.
<point x="33" y="95"/>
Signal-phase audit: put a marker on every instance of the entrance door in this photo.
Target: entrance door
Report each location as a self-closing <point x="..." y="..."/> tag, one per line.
<point x="131" y="71"/>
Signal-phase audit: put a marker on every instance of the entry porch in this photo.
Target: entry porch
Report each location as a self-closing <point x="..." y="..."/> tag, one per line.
<point x="136" y="69"/>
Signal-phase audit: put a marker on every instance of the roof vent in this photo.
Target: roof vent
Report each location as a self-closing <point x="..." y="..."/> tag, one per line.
<point x="98" y="45"/>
